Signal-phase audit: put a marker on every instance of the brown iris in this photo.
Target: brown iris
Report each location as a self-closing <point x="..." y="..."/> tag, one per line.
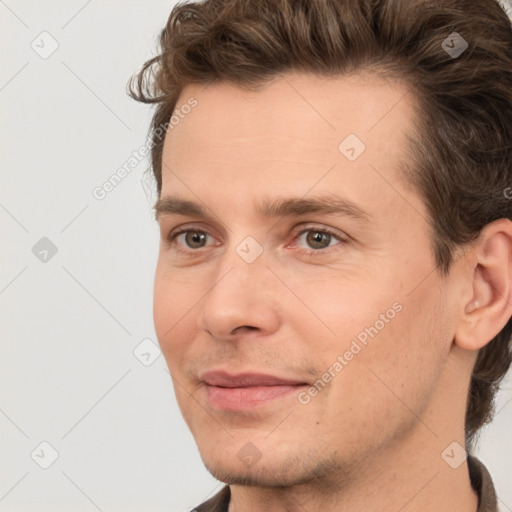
<point x="195" y="239"/>
<point x="318" y="240"/>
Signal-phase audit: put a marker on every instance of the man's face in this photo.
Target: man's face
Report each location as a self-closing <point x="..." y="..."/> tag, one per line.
<point x="342" y="301"/>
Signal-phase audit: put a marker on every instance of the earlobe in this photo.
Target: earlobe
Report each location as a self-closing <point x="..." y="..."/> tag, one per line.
<point x="490" y="304"/>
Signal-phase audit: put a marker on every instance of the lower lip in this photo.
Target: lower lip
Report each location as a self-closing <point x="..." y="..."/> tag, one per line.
<point x="236" y="399"/>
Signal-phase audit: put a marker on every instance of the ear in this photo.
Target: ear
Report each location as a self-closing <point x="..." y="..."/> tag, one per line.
<point x="489" y="283"/>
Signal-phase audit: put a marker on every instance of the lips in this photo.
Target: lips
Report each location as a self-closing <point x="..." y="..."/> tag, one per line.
<point x="248" y="390"/>
<point x="243" y="380"/>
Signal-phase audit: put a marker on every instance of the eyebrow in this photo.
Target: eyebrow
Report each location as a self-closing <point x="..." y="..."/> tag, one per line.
<point x="279" y="207"/>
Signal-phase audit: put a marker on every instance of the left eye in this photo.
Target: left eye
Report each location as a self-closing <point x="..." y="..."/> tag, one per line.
<point x="318" y="239"/>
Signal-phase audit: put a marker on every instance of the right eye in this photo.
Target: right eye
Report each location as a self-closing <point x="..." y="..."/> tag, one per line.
<point x="189" y="239"/>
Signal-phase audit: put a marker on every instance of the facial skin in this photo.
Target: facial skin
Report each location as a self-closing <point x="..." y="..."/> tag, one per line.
<point x="372" y="438"/>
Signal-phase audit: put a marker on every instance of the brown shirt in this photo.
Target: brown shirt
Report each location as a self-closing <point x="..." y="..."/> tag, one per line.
<point x="479" y="476"/>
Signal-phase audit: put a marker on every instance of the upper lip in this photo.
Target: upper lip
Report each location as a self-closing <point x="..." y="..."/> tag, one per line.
<point x="242" y="380"/>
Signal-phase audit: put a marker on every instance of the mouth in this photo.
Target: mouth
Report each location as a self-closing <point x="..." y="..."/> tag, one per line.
<point x="248" y="390"/>
<point x="236" y="399"/>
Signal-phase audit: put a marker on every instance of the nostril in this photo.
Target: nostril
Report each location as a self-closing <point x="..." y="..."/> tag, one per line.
<point x="244" y="327"/>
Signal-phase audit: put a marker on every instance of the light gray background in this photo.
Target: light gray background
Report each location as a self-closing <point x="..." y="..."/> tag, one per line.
<point x="70" y="325"/>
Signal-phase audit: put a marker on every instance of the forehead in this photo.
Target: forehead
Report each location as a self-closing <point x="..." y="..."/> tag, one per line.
<point x="293" y="107"/>
<point x="357" y="102"/>
<point x="288" y="135"/>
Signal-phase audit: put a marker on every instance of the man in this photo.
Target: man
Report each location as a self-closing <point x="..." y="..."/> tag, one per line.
<point x="333" y="291"/>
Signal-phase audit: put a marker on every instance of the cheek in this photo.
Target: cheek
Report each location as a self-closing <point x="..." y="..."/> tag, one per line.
<point x="391" y="341"/>
<point x="401" y="364"/>
<point x="173" y="314"/>
<point x="389" y="381"/>
<point x="343" y="308"/>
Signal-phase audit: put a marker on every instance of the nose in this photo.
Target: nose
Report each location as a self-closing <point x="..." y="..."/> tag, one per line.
<point x="241" y="301"/>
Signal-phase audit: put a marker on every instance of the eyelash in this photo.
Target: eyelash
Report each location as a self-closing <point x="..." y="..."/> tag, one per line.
<point x="171" y="239"/>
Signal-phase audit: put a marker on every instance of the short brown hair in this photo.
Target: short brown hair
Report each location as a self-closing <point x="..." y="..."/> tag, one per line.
<point x="460" y="157"/>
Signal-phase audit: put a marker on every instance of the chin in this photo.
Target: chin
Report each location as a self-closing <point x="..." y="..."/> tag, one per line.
<point x="290" y="470"/>
<point x="260" y="477"/>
